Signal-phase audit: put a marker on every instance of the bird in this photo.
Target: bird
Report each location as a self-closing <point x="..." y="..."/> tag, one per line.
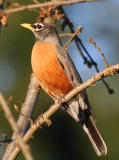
<point x="57" y="75"/>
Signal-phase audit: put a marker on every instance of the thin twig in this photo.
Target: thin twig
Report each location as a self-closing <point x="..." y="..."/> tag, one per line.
<point x="80" y="46"/>
<point x="78" y="31"/>
<point x="5" y="141"/>
<point x="45" y="116"/>
<point x="46" y="4"/>
<point x="4" y="138"/>
<point x="19" y="140"/>
<point x="24" y="115"/>
<point x="99" y="50"/>
<point x="65" y="35"/>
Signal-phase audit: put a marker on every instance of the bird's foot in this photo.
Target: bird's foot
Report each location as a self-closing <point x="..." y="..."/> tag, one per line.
<point x="61" y="100"/>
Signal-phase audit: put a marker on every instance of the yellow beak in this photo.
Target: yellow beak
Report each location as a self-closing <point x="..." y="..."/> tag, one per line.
<point x="28" y="26"/>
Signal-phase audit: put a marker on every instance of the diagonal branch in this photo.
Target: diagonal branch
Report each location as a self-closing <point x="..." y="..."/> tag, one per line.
<point x="45" y="116"/>
<point x="99" y="50"/>
<point x="46" y="4"/>
<point x="19" y="140"/>
<point x="78" y="31"/>
<point x="27" y="108"/>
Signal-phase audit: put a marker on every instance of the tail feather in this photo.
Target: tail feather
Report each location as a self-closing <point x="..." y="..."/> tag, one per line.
<point x="95" y="137"/>
<point x="87" y="120"/>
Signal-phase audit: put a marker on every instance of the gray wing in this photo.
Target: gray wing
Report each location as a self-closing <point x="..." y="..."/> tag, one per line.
<point x="70" y="70"/>
<point x="68" y="66"/>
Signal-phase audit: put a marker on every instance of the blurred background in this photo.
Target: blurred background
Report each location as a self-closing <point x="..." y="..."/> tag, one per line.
<point x="65" y="139"/>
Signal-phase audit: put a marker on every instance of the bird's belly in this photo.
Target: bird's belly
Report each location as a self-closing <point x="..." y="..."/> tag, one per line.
<point x="48" y="71"/>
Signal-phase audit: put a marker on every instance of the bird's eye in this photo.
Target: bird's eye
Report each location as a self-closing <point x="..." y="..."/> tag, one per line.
<point x="39" y="27"/>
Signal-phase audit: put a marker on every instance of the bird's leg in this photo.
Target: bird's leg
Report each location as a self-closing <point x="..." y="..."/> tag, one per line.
<point x="65" y="105"/>
<point x="61" y="100"/>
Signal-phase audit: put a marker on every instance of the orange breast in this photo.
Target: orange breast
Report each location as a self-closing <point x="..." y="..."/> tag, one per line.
<point x="48" y="71"/>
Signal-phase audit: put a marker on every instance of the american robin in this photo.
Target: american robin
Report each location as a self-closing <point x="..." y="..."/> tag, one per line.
<point x="57" y="75"/>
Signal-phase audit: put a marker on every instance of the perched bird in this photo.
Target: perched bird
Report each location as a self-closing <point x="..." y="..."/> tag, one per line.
<point x="57" y="75"/>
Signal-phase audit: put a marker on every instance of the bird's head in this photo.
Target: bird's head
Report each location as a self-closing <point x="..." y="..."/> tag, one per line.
<point x="44" y="32"/>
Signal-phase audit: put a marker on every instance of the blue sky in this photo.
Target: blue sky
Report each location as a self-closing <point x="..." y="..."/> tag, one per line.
<point x="100" y="21"/>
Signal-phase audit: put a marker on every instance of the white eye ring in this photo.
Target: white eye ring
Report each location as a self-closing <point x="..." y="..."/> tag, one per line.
<point x="39" y="26"/>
